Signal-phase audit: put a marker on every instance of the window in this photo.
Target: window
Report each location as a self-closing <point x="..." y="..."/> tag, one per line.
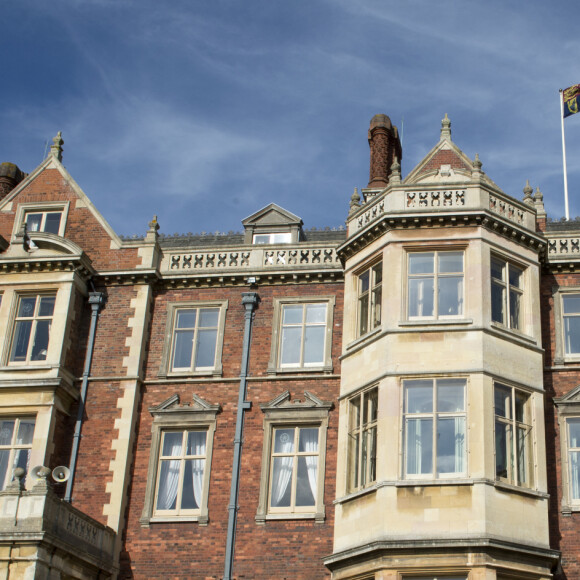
<point x="179" y="465"/>
<point x="16" y="435"/>
<point x="573" y="438"/>
<point x="513" y="436"/>
<point x="435" y="284"/>
<point x="571" y="318"/>
<point x="369" y="298"/>
<point x="294" y="469"/>
<point x="302" y="337"/>
<point x="293" y="459"/>
<point x="434" y="428"/>
<point x="506" y="293"/>
<point x="194" y="338"/>
<point x="362" y="439"/>
<point x="43" y="221"/>
<point x="182" y="463"/>
<point x="280" y="238"/>
<point x="32" y="325"/>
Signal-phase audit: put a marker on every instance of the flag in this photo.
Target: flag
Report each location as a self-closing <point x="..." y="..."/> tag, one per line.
<point x="571" y="97"/>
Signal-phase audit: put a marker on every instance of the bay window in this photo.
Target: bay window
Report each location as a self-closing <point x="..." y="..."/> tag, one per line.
<point x="369" y="298"/>
<point x="506" y="293"/>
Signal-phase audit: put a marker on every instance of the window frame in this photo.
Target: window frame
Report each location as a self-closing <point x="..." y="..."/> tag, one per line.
<point x="508" y="289"/>
<point x="24" y="209"/>
<point x="436" y="275"/>
<point x="280" y="413"/>
<point x="436" y="417"/>
<point x="367" y="323"/>
<point x="357" y="469"/>
<point x="274" y="364"/>
<point x="13" y="446"/>
<point x="35" y="318"/>
<point x="171" y="416"/>
<point x="559" y="295"/>
<point x="512" y="468"/>
<point x="286" y="238"/>
<point x="173" y="308"/>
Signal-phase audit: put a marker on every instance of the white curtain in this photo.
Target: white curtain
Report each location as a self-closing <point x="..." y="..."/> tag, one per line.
<point x="413" y="447"/>
<point x="459" y="444"/>
<point x="574" y="475"/>
<point x="169" y="479"/>
<point x="197" y="465"/>
<point x="310" y="438"/>
<point x="282" y="472"/>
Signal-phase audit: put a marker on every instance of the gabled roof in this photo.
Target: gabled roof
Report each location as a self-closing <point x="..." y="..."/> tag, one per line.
<point x="272" y="215"/>
<point x="53" y="162"/>
<point x="446" y="162"/>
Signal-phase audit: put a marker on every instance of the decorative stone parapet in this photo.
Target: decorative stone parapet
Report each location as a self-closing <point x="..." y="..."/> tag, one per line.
<point x="562" y="247"/>
<point x="252" y="259"/>
<point x="406" y="201"/>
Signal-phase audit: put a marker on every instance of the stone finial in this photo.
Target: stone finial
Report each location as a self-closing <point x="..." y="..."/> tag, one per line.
<point x="445" y="129"/>
<point x="56" y="147"/>
<point x="152" y="234"/>
<point x="354" y="201"/>
<point x="528" y="199"/>
<point x="17" y="483"/>
<point x="395" y="172"/>
<point x="539" y="203"/>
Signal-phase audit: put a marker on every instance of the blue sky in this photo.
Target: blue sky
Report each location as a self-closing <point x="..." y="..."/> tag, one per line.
<point x="204" y="112"/>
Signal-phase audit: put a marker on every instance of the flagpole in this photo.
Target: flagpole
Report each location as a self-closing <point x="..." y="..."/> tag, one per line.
<point x="564" y="155"/>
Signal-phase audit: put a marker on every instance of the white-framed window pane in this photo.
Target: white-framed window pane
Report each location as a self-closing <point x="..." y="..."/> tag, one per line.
<point x="41" y="337"/>
<point x="573" y="425"/>
<point x="571" y="303"/>
<point x="168" y="485"/>
<point x="16" y="436"/>
<point x="6" y="431"/>
<point x="206" y="346"/>
<point x="32" y="326"/>
<point x="52" y="222"/>
<point x="419" y="449"/>
<point x="316" y="313"/>
<point x="497" y="303"/>
<point x="370" y="298"/>
<point x="450" y="444"/>
<point x="422" y="263"/>
<point x="4" y="462"/>
<point x="314" y="344"/>
<point x="572" y="334"/>
<point x="306" y="480"/>
<point x="183" y="349"/>
<point x="503" y="453"/>
<point x="25" y="432"/>
<point x="186" y="318"/>
<point x="172" y="443"/>
<point x="22" y="331"/>
<point x="419" y="396"/>
<point x="33" y="222"/>
<point x="293" y="314"/>
<point x="291" y="345"/>
<point x="451" y="395"/>
<point x="515" y="305"/>
<point x="421" y="296"/>
<point x="450" y="262"/>
<point x="284" y="441"/>
<point x="450" y="293"/>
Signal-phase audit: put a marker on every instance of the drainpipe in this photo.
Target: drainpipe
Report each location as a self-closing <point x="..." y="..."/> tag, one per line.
<point x="96" y="300"/>
<point x="250" y="300"/>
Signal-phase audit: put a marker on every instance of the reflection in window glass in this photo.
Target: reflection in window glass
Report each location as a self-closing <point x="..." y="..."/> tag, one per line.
<point x="16" y="436"/>
<point x="32" y="326"/>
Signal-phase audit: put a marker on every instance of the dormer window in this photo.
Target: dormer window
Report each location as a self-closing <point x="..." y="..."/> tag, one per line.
<point x="43" y="221"/>
<point x="280" y="238"/>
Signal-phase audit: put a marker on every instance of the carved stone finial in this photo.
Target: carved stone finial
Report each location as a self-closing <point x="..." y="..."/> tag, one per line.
<point x="395" y="171"/>
<point x="445" y="128"/>
<point x="354" y="201"/>
<point x="539" y="203"/>
<point x="477" y="164"/>
<point x="153" y="224"/>
<point x="538" y="196"/>
<point x="528" y="199"/>
<point x="56" y="147"/>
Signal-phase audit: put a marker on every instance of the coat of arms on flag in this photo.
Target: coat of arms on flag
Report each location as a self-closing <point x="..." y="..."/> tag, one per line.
<point x="571" y="97"/>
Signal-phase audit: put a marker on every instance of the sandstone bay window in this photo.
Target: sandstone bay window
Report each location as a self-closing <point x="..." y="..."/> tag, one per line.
<point x="434" y="428"/>
<point x="435" y="284"/>
<point x="293" y="459"/>
<point x="16" y="434"/>
<point x="362" y="439"/>
<point x="369" y="298"/>
<point x="513" y="435"/>
<point x="178" y="477"/>
<point x="32" y="325"/>
<point x="194" y="338"/>
<point x="302" y="334"/>
<point x="506" y="293"/>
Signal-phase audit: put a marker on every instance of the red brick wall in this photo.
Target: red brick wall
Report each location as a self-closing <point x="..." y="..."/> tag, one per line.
<point x="278" y="549"/>
<point x="564" y="530"/>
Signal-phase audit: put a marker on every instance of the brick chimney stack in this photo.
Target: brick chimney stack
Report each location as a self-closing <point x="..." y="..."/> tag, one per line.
<point x="10" y="177"/>
<point x="385" y="147"/>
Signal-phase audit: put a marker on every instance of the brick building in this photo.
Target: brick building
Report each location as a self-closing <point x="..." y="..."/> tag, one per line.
<point x="398" y="399"/>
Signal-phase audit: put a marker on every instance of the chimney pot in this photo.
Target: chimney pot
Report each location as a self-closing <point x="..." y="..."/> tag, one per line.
<point x="385" y="148"/>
